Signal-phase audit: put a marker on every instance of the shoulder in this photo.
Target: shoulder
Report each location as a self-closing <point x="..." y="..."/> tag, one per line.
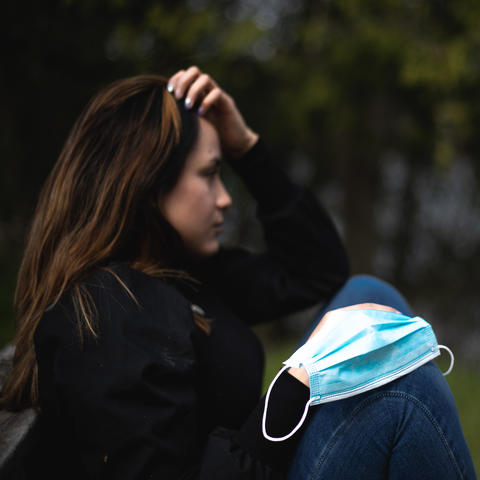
<point x="129" y="288"/>
<point x="122" y="302"/>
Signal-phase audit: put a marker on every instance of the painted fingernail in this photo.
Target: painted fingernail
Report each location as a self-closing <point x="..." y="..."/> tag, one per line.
<point x="178" y="93"/>
<point x="188" y="102"/>
<point x="170" y="88"/>
<point x="200" y="111"/>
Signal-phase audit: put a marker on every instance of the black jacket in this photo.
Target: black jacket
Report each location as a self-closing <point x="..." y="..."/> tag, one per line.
<point x="153" y="396"/>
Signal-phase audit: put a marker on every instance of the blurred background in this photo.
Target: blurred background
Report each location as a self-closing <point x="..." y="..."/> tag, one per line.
<point x="373" y="104"/>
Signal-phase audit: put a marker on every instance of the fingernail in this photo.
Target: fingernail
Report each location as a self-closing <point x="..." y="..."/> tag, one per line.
<point x="178" y="93"/>
<point x="170" y="88"/>
<point x="188" y="102"/>
<point x="200" y="111"/>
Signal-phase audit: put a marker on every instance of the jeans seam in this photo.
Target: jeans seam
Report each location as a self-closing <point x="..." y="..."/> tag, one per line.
<point x="368" y="401"/>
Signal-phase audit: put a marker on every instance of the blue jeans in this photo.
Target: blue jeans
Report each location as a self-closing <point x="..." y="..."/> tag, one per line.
<point x="406" y="429"/>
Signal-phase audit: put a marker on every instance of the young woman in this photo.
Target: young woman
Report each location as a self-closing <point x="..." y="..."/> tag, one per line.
<point x="134" y="340"/>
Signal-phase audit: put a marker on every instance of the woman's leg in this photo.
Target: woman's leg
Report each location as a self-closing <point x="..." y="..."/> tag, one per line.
<point x="366" y="288"/>
<point x="408" y="428"/>
<point x="362" y="289"/>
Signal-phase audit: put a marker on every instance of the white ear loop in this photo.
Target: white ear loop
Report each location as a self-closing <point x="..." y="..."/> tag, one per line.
<point x="264" y="419"/>
<point x="452" y="359"/>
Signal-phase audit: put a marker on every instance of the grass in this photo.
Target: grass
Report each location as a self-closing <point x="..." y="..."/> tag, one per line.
<point x="463" y="381"/>
<point x="465" y="385"/>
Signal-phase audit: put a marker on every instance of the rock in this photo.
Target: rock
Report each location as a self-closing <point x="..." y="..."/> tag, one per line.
<point x="6" y="357"/>
<point x="13" y="425"/>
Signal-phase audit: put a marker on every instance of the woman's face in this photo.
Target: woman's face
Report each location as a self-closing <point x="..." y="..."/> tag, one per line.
<point x="195" y="205"/>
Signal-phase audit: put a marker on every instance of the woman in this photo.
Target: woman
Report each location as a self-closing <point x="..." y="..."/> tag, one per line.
<point x="134" y="340"/>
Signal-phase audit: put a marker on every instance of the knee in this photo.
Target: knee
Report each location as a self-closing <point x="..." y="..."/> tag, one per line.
<point x="367" y="283"/>
<point x="367" y="288"/>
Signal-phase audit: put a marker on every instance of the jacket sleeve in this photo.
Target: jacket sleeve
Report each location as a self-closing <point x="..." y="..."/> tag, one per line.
<point x="305" y="261"/>
<point x="129" y="395"/>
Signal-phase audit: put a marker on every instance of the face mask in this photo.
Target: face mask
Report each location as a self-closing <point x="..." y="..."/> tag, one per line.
<point x="356" y="351"/>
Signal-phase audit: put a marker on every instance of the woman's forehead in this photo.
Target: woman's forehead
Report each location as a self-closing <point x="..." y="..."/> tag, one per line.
<point x="207" y="147"/>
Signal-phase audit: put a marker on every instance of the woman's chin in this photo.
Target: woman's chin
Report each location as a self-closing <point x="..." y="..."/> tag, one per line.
<point x="205" y="250"/>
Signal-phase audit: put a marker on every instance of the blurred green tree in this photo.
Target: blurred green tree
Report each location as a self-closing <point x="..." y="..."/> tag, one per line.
<point x="372" y="103"/>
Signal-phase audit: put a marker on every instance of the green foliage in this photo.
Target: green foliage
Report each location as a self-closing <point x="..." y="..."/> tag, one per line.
<point x="344" y="86"/>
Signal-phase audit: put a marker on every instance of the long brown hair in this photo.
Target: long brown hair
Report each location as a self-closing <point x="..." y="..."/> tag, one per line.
<point x="100" y="203"/>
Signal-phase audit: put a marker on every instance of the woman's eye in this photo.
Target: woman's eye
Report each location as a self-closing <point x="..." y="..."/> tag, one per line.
<point x="211" y="172"/>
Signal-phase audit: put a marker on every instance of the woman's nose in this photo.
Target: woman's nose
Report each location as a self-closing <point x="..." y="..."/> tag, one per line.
<point x="223" y="199"/>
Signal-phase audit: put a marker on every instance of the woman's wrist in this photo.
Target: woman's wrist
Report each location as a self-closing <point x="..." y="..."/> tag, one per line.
<point x="300" y="374"/>
<point x="251" y="138"/>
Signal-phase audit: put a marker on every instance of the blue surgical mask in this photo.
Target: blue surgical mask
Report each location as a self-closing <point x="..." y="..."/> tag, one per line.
<point x="358" y="350"/>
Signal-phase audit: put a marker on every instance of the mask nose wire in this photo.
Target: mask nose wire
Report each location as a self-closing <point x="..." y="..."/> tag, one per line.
<point x="264" y="419"/>
<point x="452" y="359"/>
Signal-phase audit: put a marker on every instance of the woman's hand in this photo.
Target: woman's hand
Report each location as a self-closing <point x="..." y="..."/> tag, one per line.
<point x="301" y="373"/>
<point x="215" y="105"/>
<point x="358" y="306"/>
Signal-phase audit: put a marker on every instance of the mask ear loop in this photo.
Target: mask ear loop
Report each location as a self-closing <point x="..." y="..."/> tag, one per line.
<point x="452" y="359"/>
<point x="264" y="419"/>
